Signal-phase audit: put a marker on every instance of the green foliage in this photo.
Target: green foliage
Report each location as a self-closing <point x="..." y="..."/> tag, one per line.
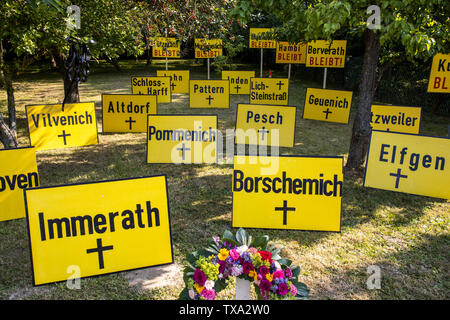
<point x="231" y="50"/>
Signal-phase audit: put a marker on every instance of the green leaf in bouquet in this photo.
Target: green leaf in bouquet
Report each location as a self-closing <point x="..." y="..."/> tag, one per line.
<point x="184" y="294"/>
<point x="302" y="289"/>
<point x="219" y="285"/>
<point x="295" y="272"/>
<point x="260" y="242"/>
<point x="243" y="238"/>
<point x="285" y="262"/>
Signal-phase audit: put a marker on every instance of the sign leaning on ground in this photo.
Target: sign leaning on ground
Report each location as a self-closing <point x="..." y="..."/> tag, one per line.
<point x="127" y="112"/>
<point x="179" y="79"/>
<point x="51" y="127"/>
<point x="320" y="53"/>
<point x="154" y="86"/>
<point x="294" y="53"/>
<point x="265" y="125"/>
<point x="207" y="48"/>
<point x="209" y="94"/>
<point x="395" y="118"/>
<point x="440" y="74"/>
<point x="94" y="227"/>
<point x="408" y="163"/>
<point x="327" y="105"/>
<point x="166" y="48"/>
<point x="287" y="192"/>
<point x="260" y="39"/>
<point x="239" y="80"/>
<point x="273" y="91"/>
<point x="17" y="172"/>
<point x="182" y="139"/>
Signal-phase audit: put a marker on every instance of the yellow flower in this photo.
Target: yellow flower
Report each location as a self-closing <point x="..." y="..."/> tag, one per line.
<point x="269" y="277"/>
<point x="223" y="254"/>
<point x="253" y="274"/>
<point x="198" y="287"/>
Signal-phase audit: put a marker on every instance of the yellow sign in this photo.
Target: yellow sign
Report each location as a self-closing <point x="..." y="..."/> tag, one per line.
<point x="207" y="48"/>
<point x="273" y="91"/>
<point x="127" y="112"/>
<point x="409" y="163"/>
<point x="182" y="139"/>
<point x="166" y="48"/>
<point x="209" y="94"/>
<point x="440" y="74"/>
<point x="51" y="127"/>
<point x="179" y="79"/>
<point x="98" y="228"/>
<point x="321" y="54"/>
<point x="287" y="192"/>
<point x="294" y="53"/>
<point x="18" y="171"/>
<point x="265" y="125"/>
<point x="154" y="86"/>
<point x="395" y="118"/>
<point x="239" y="81"/>
<point x="259" y="38"/>
<point x="327" y="105"/>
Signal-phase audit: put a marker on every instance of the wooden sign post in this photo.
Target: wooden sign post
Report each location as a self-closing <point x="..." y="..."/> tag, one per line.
<point x="259" y="39"/>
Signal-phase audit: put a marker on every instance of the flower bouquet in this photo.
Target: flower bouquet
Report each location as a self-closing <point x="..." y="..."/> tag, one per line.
<point x="241" y="256"/>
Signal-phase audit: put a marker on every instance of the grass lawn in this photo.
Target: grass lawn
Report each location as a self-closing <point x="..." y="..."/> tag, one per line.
<point x="406" y="236"/>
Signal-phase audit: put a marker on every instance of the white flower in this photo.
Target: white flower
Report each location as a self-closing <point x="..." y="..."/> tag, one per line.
<point x="209" y="284"/>
<point x="191" y="294"/>
<point x="242" y="249"/>
<point x="277" y="265"/>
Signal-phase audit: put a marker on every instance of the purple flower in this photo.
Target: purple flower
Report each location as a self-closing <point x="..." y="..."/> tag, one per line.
<point x="247" y="267"/>
<point x="264" y="285"/>
<point x="288" y="273"/>
<point x="222" y="266"/>
<point x="283" y="289"/>
<point x="263" y="270"/>
<point x="274" y="288"/>
<point x="199" y="277"/>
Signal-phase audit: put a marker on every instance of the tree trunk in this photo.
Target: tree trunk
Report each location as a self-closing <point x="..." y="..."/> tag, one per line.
<point x="8" y="132"/>
<point x="361" y="127"/>
<point x="115" y="63"/>
<point x="70" y="88"/>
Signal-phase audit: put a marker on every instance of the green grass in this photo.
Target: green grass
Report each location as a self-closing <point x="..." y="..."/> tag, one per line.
<point x="407" y="236"/>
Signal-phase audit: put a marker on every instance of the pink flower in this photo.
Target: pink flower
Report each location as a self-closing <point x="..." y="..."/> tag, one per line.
<point x="293" y="290"/>
<point x="234" y="254"/>
<point x="253" y="250"/>
<point x="278" y="274"/>
<point x="288" y="273"/>
<point x="199" y="277"/>
<point x="282" y="289"/>
<point x="208" y="294"/>
<point x="247" y="267"/>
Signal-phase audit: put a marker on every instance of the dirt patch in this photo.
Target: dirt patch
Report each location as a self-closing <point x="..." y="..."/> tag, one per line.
<point x="155" y="277"/>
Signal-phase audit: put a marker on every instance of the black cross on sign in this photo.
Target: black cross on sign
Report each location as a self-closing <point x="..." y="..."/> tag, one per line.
<point x="279" y="84"/>
<point x="237" y="88"/>
<point x="398" y="175"/>
<point x="172" y="85"/>
<point x="183" y="149"/>
<point x="209" y="99"/>
<point x="130" y="121"/>
<point x="64" y="135"/>
<point x="285" y="210"/>
<point x="327" y="112"/>
<point x="100" y="250"/>
<point x="263" y="131"/>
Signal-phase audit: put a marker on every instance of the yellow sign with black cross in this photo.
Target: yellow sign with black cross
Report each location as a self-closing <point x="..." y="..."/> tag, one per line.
<point x="260" y="38"/>
<point x="51" y="126"/>
<point x="127" y="112"/>
<point x="273" y="91"/>
<point x="440" y="74"/>
<point x="395" y="118"/>
<point x="239" y="80"/>
<point x="154" y="86"/>
<point x="98" y="228"/>
<point x="18" y="171"/>
<point x="323" y="54"/>
<point x="182" y="139"/>
<point x="207" y="48"/>
<point x="327" y="105"/>
<point x="179" y="79"/>
<point x="209" y="94"/>
<point x="408" y="163"/>
<point x="166" y="48"/>
<point x="265" y="125"/>
<point x="294" y="53"/>
<point x="287" y="192"/>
